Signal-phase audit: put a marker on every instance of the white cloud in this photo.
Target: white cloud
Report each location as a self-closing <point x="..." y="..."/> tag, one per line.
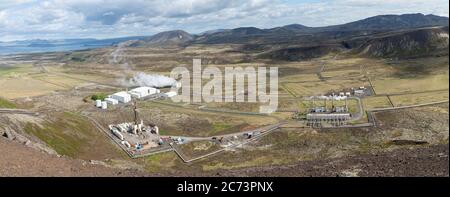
<point x="11" y="3"/>
<point x="24" y="19"/>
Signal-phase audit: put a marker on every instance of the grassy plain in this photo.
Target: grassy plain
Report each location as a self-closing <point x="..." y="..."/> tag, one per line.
<point x="390" y="85"/>
<point x="4" y="103"/>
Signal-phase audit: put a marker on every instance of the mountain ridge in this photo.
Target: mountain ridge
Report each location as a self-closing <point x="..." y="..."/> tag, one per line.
<point x="282" y="35"/>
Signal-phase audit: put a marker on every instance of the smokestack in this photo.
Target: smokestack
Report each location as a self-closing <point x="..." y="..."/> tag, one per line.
<point x="135" y="113"/>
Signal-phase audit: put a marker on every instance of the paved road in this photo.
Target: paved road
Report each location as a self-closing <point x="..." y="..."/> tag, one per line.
<point x="263" y="132"/>
<point x="360" y="113"/>
<point x="260" y="130"/>
<point x="412" y="92"/>
<point x="215" y="110"/>
<point x="409" y="106"/>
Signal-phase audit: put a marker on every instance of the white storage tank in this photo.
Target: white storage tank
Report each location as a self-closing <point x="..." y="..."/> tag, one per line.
<point x="98" y="103"/>
<point x="117" y="134"/>
<point x="156" y="130"/>
<point x="126" y="143"/>
<point x="104" y="105"/>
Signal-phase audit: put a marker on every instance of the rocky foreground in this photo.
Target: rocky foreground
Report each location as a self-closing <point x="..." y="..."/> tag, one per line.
<point x="414" y="161"/>
<point x="19" y="160"/>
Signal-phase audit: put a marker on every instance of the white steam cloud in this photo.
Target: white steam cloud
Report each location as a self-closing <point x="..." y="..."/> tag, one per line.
<point x="150" y="80"/>
<point x="118" y="57"/>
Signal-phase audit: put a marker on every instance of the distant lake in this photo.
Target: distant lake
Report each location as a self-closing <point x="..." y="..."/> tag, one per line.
<point x="39" y="46"/>
<point x="8" y="50"/>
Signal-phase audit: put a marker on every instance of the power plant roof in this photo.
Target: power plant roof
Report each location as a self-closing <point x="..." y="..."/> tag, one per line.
<point x="142" y="89"/>
<point x="122" y="94"/>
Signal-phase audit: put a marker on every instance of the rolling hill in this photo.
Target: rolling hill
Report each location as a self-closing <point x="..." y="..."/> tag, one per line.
<point x="165" y="39"/>
<point x="379" y="36"/>
<point x="417" y="42"/>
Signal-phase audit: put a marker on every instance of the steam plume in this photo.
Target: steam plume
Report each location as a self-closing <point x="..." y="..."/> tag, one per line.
<point x="150" y="80"/>
<point x="117" y="57"/>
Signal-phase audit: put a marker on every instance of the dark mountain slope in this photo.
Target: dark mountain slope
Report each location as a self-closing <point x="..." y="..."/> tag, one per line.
<point x="291" y="33"/>
<point x="389" y="22"/>
<point x="165" y="39"/>
<point x="301" y="53"/>
<point x="419" y="42"/>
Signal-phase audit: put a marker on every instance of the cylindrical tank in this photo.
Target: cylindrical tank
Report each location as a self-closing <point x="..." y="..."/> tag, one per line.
<point x="156" y="130"/>
<point x="98" y="103"/>
<point x="127" y="144"/>
<point x="104" y="105"/>
<point x="135" y="128"/>
<point x="122" y="129"/>
<point x="117" y="134"/>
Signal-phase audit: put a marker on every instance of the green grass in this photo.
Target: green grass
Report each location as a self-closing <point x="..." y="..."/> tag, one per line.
<point x="99" y="96"/>
<point x="199" y="148"/>
<point x="391" y="85"/>
<point x="68" y="135"/>
<point x="16" y="69"/>
<point x="6" y="70"/>
<point x="160" y="162"/>
<point x="250" y="162"/>
<point x="163" y="132"/>
<point x="217" y="127"/>
<point x="6" y="104"/>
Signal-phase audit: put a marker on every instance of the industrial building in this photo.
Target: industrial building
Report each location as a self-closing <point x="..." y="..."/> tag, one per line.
<point x="318" y="110"/>
<point x="317" y="116"/>
<point x="340" y="109"/>
<point x="122" y="97"/>
<point x="318" y="119"/>
<point x="101" y="104"/>
<point x="326" y="117"/>
<point x="135" y="136"/>
<point x="170" y="94"/>
<point x="359" y="93"/>
<point x="104" y="105"/>
<point x="142" y="92"/>
<point x="111" y="101"/>
<point x="98" y="103"/>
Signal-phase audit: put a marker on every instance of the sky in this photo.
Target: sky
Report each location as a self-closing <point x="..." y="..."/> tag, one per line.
<point x="59" y="19"/>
